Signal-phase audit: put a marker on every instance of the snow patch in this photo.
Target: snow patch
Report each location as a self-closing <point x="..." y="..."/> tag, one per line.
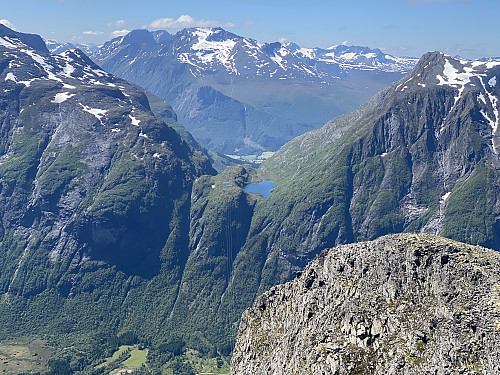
<point x="348" y="56"/>
<point x="5" y="43"/>
<point x="278" y="58"/>
<point x="307" y="52"/>
<point x="62" y="97"/>
<point x="10" y="77"/>
<point x="134" y="120"/>
<point x="116" y="130"/>
<point x="451" y="77"/>
<point x="98" y="113"/>
<point x="209" y="50"/>
<point x="68" y="69"/>
<point x="444" y="197"/>
<point x="492" y="82"/>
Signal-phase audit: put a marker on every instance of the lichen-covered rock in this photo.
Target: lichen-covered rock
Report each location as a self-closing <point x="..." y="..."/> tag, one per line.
<point x="402" y="304"/>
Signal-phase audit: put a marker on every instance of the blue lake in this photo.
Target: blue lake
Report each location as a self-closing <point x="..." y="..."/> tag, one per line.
<point x="263" y="188"/>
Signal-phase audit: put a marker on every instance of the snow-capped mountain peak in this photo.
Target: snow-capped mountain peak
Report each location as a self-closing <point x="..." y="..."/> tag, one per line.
<point x="211" y="50"/>
<point x="57" y="47"/>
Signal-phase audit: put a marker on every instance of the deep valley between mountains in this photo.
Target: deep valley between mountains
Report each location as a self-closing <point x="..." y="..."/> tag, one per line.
<point x="128" y="245"/>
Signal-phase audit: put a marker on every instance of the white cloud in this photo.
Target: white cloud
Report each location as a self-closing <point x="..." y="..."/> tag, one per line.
<point x="185" y="21"/>
<point x="89" y="32"/>
<point x="282" y="40"/>
<point x="116" y="33"/>
<point x="345" y="42"/>
<point x="117" y="23"/>
<point x="7" y="23"/>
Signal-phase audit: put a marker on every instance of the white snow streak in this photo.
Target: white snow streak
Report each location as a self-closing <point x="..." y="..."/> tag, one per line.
<point x="98" y="113"/>
<point x="444" y="197"/>
<point x="43" y="64"/>
<point x="5" y="43"/>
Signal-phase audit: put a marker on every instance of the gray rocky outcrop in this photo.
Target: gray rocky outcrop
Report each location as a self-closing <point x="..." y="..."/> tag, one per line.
<point x="402" y="304"/>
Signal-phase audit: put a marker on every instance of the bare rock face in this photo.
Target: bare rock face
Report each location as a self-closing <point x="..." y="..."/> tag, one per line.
<point x="402" y="304"/>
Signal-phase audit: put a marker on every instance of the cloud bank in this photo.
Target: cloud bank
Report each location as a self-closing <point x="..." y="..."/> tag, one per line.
<point x="185" y="21"/>
<point x="117" y="23"/>
<point x="116" y="33"/>
<point x="90" y="32"/>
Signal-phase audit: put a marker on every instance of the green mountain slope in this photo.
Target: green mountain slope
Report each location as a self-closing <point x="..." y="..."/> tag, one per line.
<point x="95" y="196"/>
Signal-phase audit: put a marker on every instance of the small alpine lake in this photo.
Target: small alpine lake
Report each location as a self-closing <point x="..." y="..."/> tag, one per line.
<point x="263" y="188"/>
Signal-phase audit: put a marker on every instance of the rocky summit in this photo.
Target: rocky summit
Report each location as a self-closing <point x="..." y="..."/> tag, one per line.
<point x="402" y="304"/>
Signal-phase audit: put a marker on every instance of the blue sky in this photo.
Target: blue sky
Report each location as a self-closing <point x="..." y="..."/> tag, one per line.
<point x="469" y="28"/>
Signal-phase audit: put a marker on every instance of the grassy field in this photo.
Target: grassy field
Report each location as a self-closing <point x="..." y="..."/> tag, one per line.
<point x="23" y="355"/>
<point x="207" y="366"/>
<point x="137" y="358"/>
<point x="122" y="349"/>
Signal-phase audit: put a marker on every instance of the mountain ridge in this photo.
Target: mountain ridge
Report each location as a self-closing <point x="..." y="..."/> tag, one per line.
<point x="271" y="93"/>
<point x="95" y="203"/>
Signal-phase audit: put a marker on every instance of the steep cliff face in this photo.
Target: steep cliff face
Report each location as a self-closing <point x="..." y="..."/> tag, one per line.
<point x="422" y="155"/>
<point x="402" y="304"/>
<point x="94" y="197"/>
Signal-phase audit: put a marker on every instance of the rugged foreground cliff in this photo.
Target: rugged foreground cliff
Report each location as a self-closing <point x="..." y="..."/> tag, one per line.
<point x="405" y="304"/>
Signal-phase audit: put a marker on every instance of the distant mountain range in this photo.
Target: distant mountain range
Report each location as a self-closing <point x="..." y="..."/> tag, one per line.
<point x="240" y="96"/>
<point x="56" y="47"/>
